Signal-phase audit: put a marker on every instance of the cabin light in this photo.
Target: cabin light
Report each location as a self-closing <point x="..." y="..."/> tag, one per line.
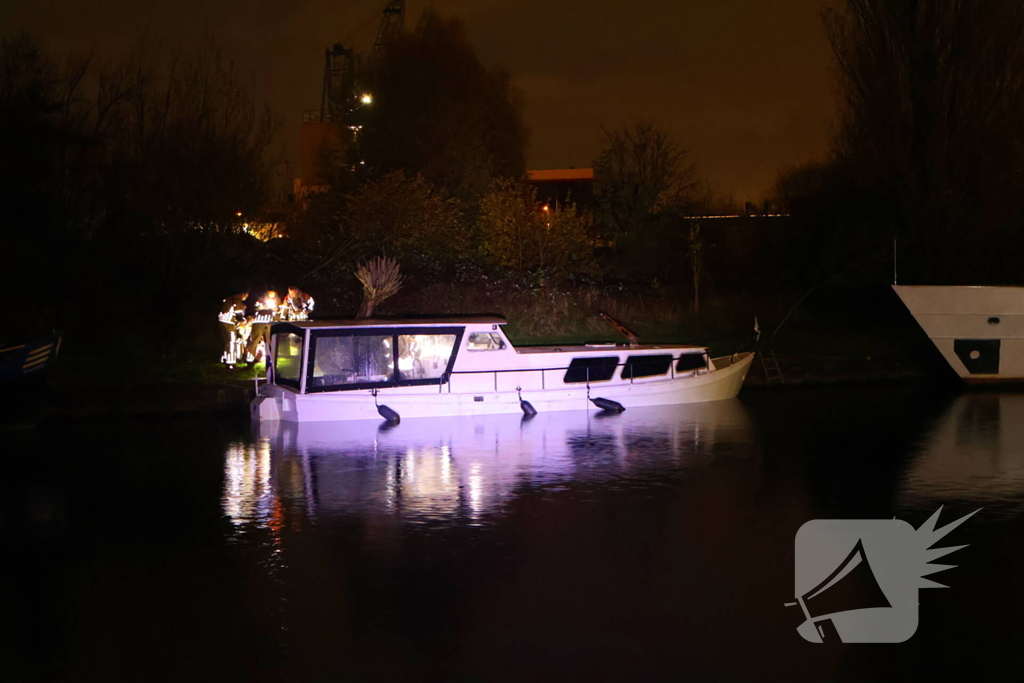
<point x="367" y="98"/>
<point x="238" y="213"/>
<point x="545" y="208"/>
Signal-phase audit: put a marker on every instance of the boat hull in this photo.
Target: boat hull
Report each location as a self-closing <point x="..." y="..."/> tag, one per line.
<point x="978" y="330"/>
<point x="274" y="402"/>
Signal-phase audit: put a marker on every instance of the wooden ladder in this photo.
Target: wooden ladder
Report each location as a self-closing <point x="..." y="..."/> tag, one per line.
<point x="772" y="371"/>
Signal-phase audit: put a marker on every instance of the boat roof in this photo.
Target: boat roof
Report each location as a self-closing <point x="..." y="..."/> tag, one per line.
<point x="423" y="321"/>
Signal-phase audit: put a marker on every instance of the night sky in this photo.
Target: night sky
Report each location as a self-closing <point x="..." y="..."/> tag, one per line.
<point x="744" y="84"/>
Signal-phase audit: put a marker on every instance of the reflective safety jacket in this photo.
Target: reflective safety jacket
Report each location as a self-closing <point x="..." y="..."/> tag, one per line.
<point x="298" y="307"/>
<point x="232" y="310"/>
<point x="267" y="310"/>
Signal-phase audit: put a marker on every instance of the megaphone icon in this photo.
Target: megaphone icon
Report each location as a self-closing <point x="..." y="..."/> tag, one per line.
<point x="851" y="586"/>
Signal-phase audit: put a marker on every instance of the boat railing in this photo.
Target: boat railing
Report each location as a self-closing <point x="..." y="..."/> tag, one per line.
<point x="543" y="373"/>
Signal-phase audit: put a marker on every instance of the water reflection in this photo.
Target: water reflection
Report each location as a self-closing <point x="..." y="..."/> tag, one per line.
<point x="463" y="468"/>
<point x="973" y="453"/>
<point x="247" y="490"/>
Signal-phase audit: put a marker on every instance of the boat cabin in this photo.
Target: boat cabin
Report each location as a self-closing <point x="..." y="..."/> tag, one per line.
<point x="330" y="356"/>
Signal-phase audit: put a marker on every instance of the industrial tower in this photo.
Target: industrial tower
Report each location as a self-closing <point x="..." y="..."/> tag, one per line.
<point x="337" y="96"/>
<point x="340" y="104"/>
<point x="390" y="24"/>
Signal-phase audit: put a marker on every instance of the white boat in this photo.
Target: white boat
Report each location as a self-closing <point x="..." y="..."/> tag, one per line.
<point x="368" y="369"/>
<point x="978" y="330"/>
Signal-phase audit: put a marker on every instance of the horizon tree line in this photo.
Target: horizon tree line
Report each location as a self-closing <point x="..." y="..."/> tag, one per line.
<point x="144" y="169"/>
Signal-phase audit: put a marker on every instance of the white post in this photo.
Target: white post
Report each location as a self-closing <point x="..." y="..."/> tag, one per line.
<point x="894" y="281"/>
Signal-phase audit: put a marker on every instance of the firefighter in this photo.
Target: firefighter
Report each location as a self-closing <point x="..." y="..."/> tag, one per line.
<point x="232" y="314"/>
<point x="267" y="310"/>
<point x="297" y="305"/>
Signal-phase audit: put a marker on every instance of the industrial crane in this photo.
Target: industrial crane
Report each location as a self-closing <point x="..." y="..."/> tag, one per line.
<point x="338" y="96"/>
<point x="390" y="24"/>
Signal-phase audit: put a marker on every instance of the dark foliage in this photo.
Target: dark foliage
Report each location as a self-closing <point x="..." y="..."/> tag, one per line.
<point x="931" y="135"/>
<point x="439" y="112"/>
<point x="30" y="219"/>
<point x="125" y="186"/>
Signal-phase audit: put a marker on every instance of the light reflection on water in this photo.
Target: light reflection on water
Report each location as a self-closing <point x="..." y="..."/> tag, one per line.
<point x="973" y="453"/>
<point x="465" y="469"/>
<point x="654" y="545"/>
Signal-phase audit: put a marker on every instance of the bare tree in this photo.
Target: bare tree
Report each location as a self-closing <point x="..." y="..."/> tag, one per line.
<point x="931" y="94"/>
<point x="187" y="141"/>
<point x="639" y="172"/>
<point x="696" y="256"/>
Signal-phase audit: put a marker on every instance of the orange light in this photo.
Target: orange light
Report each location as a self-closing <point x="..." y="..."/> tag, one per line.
<point x="238" y="213"/>
<point x="545" y="208"/>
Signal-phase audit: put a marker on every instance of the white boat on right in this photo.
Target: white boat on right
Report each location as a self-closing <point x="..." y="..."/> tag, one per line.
<point x="978" y="330"/>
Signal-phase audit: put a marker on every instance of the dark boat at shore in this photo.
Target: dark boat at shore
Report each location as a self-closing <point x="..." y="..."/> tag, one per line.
<point x="25" y="360"/>
<point x="24" y="377"/>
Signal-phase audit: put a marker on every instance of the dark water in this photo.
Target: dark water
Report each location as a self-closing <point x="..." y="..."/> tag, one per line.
<point x="654" y="544"/>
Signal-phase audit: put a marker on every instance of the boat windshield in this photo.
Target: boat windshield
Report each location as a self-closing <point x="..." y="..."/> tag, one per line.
<point x="424" y="356"/>
<point x="379" y="358"/>
<point x="288" y="359"/>
<point x="353" y="360"/>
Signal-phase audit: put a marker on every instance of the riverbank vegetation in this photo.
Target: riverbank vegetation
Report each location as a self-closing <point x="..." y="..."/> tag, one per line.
<point x="139" y="191"/>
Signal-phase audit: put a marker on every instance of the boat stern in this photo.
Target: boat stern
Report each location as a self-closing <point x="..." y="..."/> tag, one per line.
<point x="273" y="403"/>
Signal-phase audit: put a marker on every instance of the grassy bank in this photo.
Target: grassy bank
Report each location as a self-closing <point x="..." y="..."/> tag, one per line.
<point x="812" y="347"/>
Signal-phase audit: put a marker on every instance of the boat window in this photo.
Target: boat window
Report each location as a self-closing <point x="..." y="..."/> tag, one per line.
<point x="288" y="359"/>
<point x="646" y="366"/>
<point x="592" y="369"/>
<point x="691" y="361"/>
<point x="363" y="359"/>
<point x="485" y="341"/>
<point x="424" y="356"/>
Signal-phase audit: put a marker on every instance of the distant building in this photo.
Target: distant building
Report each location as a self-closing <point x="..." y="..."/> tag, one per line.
<point x="556" y="187"/>
<point x="314" y="136"/>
